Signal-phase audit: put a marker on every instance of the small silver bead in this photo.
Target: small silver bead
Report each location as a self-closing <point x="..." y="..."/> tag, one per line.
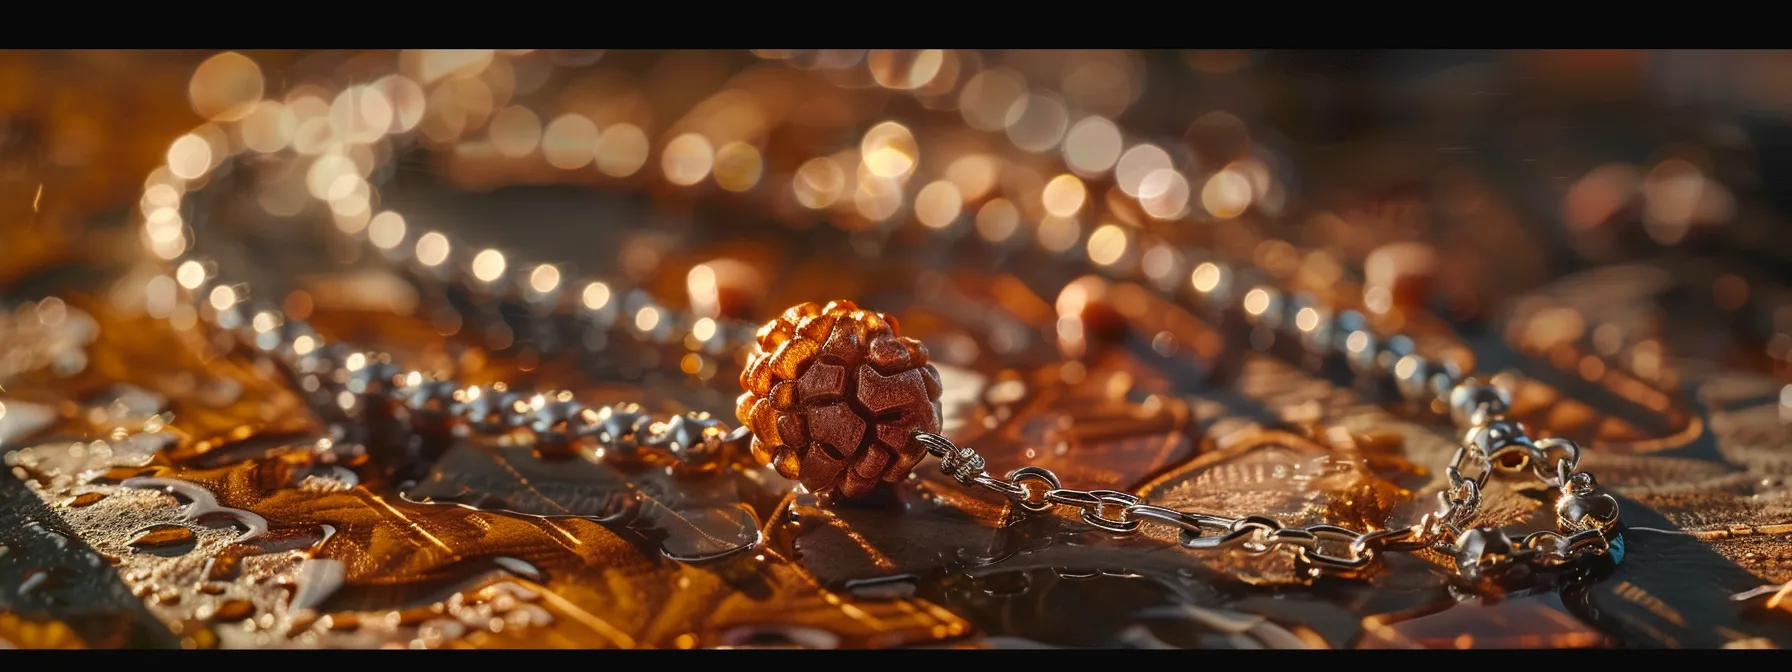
<point x="691" y="438"/>
<point x="1422" y="380"/>
<point x="1587" y="511"/>
<point x="561" y="421"/>
<point x="1355" y="342"/>
<point x="1411" y="374"/>
<point x="620" y="430"/>
<point x="1390" y="352"/>
<point x="492" y="411"/>
<point x="1483" y="550"/>
<point x="1473" y="402"/>
<point x="1274" y="313"/>
<point x="1319" y="337"/>
<point x="1443" y="377"/>
<point x="1498" y="438"/>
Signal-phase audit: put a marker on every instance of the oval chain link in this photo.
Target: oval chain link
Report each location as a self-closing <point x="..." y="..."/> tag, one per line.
<point x="1321" y="548"/>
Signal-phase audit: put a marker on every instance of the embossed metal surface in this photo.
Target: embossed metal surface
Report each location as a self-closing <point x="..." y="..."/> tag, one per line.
<point x="165" y="492"/>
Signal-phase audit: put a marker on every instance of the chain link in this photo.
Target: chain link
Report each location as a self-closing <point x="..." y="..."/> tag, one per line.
<point x="1586" y="518"/>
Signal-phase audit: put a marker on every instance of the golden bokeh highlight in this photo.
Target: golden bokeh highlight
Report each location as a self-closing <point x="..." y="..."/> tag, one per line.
<point x="223" y="297"/>
<point x="1138" y="163"/>
<point x="1039" y="122"/>
<point x="904" y="69"/>
<point x="226" y="87"/>
<point x="647" y="318"/>
<point x="993" y="99"/>
<point x="488" y="265"/>
<point x="360" y="115"/>
<point x="738" y="166"/>
<point x="407" y="100"/>
<point x="998" y="220"/>
<point x="433" y="64"/>
<point x="268" y="128"/>
<point x="189" y="157"/>
<point x="515" y="131"/>
<point x="701" y="286"/>
<point x="544" y="279"/>
<point x="1092" y="146"/>
<point x="938" y="204"/>
<point x="889" y="151"/>
<point x="1164" y="194"/>
<point x="687" y="159"/>
<point x="190" y="274"/>
<point x="876" y="198"/>
<point x="1107" y="245"/>
<point x="704" y="329"/>
<point x="1063" y="196"/>
<point x="1256" y="301"/>
<point x="1059" y="234"/>
<point x="1227" y="194"/>
<point x="386" y="230"/>
<point x="622" y="150"/>
<point x="974" y="175"/>
<point x="1206" y="277"/>
<point x="595" y="296"/>
<point x="432" y="249"/>
<point x="570" y="142"/>
<point x="819" y="183"/>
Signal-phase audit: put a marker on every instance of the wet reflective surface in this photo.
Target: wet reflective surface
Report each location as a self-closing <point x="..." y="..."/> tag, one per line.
<point x="182" y="530"/>
<point x="164" y="491"/>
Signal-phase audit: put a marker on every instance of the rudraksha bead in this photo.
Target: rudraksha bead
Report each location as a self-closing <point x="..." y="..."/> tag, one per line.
<point x="834" y="395"/>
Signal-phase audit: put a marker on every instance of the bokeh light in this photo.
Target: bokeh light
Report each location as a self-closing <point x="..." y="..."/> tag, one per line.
<point x="938" y="204"/>
<point x="998" y="220"/>
<point x="889" y="151"/>
<point x="226" y="87"/>
<point x="622" y="150"/>
<point x="488" y="265"/>
<point x="1227" y="194"/>
<point x="738" y="166"/>
<point x="1038" y="122"/>
<point x="515" y="131"/>
<point x="819" y="182"/>
<point x="1138" y="163"/>
<point x="688" y="159"/>
<point x="1092" y="146"/>
<point x="1063" y="196"/>
<point x="570" y="142"/>
<point x="993" y="99"/>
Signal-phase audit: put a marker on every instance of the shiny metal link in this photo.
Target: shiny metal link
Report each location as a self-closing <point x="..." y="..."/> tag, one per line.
<point x="1319" y="549"/>
<point x="1586" y="518"/>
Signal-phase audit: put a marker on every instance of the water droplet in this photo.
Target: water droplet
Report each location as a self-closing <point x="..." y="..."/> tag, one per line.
<point x="165" y="540"/>
<point x="519" y="567"/>
<point x="1004" y="583"/>
<point x="19" y="420"/>
<point x="33" y="580"/>
<point x="317" y="580"/>
<point x="203" y="504"/>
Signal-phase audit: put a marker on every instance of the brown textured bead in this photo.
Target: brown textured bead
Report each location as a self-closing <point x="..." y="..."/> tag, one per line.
<point x="834" y="395"/>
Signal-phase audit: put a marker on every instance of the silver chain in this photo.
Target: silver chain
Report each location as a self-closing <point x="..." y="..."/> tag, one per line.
<point x="359" y="383"/>
<point x="1586" y="519"/>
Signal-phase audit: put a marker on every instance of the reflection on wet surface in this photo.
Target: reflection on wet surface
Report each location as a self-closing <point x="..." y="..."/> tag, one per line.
<point x="215" y="511"/>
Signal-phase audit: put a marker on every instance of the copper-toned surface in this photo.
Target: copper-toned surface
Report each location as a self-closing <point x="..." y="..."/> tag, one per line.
<point x="167" y="489"/>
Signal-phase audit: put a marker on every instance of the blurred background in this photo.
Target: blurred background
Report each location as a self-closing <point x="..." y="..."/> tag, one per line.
<point x="1556" y="159"/>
